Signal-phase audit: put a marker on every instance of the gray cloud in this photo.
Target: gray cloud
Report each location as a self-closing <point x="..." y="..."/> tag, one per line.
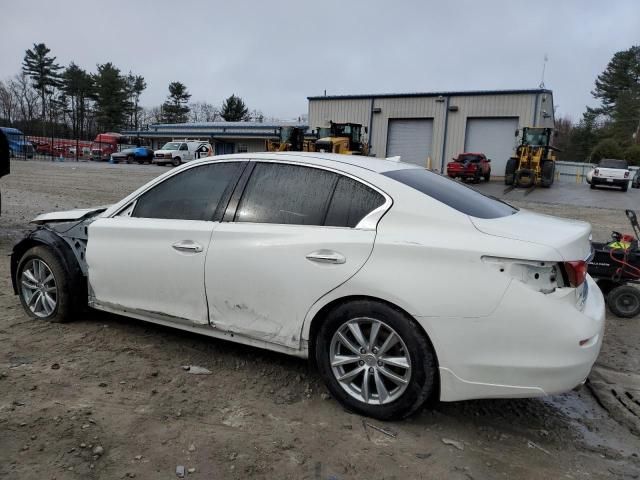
<point x="276" y="53"/>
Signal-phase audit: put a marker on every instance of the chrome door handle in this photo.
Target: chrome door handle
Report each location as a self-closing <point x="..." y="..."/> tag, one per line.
<point x="187" y="246"/>
<point x="326" y="256"/>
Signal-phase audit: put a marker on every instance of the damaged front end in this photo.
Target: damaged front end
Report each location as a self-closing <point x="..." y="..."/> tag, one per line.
<point x="66" y="233"/>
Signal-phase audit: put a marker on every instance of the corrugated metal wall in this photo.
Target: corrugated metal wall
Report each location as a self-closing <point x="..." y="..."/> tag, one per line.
<point x="361" y="110"/>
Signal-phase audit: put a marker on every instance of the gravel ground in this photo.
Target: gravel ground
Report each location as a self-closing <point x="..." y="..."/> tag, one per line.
<point x="106" y="396"/>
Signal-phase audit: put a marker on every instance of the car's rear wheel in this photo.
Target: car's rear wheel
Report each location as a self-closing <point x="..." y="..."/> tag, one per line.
<point x="487" y="177"/>
<point x="375" y="360"/>
<point x="130" y="159"/>
<point x="624" y="301"/>
<point x="43" y="285"/>
<point x="625" y="187"/>
<point x="592" y="186"/>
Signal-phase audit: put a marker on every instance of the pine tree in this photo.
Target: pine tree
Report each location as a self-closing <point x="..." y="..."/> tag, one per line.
<point x="621" y="75"/>
<point x="111" y="97"/>
<point x="77" y="84"/>
<point x="43" y="71"/>
<point x="176" y="109"/>
<point x="234" y="110"/>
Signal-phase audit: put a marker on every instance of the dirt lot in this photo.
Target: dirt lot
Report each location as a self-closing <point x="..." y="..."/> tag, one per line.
<point x="106" y="397"/>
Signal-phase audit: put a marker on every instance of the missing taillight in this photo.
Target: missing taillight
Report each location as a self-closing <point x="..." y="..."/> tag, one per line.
<point x="575" y="272"/>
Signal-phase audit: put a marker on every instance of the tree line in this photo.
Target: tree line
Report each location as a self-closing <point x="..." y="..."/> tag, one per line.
<point x="612" y="129"/>
<point x="48" y="99"/>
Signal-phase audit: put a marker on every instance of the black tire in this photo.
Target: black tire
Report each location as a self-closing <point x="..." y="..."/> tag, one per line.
<point x="176" y="162"/>
<point x="625" y="187"/>
<point x="487" y="177"/>
<point x="548" y="172"/>
<point x="624" y="301"/>
<point x="423" y="378"/>
<point x="130" y="159"/>
<point x="67" y="303"/>
<point x="510" y="170"/>
<point x="524" y="178"/>
<point x="592" y="186"/>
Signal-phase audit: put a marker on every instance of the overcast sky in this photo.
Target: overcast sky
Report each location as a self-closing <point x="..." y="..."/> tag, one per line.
<point x="276" y="53"/>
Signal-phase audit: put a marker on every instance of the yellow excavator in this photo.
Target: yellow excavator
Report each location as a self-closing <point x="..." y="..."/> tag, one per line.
<point x="345" y="138"/>
<point x="534" y="162"/>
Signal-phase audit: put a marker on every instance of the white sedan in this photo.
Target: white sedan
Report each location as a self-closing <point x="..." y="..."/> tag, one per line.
<point x="400" y="284"/>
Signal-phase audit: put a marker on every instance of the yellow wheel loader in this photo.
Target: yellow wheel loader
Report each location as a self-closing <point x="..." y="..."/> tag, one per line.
<point x="533" y="164"/>
<point x="345" y="138"/>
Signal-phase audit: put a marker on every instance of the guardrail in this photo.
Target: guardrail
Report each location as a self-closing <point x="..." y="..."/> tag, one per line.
<point x="576" y="172"/>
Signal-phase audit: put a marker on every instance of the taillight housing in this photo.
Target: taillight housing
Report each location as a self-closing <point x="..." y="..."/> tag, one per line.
<point x="596" y="172"/>
<point x="626" y="174"/>
<point x="575" y="272"/>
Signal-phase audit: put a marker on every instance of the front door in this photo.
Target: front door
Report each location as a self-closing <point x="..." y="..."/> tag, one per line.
<point x="151" y="257"/>
<point x="294" y="238"/>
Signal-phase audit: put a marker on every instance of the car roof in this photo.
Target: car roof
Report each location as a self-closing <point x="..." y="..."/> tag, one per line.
<point x="347" y="162"/>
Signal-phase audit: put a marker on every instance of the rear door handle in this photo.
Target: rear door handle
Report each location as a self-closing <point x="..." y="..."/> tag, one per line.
<point x="187" y="246"/>
<point x="326" y="256"/>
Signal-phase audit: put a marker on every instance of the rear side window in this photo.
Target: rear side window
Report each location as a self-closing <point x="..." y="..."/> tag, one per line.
<point x="286" y="194"/>
<point x="351" y="202"/>
<point x="194" y="194"/>
<point x="452" y="193"/>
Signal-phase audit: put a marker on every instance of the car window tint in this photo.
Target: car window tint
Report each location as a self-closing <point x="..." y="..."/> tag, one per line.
<point x="286" y="194"/>
<point x="452" y="193"/>
<point x="191" y="195"/>
<point x="351" y="202"/>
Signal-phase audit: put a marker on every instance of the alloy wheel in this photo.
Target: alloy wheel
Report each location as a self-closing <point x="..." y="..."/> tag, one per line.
<point x="38" y="288"/>
<point x="370" y="361"/>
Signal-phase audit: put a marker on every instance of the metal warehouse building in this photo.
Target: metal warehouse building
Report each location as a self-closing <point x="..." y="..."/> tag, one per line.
<point x="225" y="137"/>
<point x="433" y="127"/>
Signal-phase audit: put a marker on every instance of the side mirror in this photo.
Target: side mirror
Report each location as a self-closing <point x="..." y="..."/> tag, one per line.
<point x="366" y="130"/>
<point x="489" y="160"/>
<point x="517" y="133"/>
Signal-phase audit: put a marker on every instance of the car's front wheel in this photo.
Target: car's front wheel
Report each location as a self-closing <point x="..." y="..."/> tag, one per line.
<point x="375" y="360"/>
<point x="43" y="285"/>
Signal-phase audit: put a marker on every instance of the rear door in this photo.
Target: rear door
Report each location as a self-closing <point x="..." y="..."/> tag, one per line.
<point x="297" y="233"/>
<point x="150" y="258"/>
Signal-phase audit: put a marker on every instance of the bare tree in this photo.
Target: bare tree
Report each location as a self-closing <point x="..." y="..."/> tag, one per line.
<point x="203" y="112"/>
<point x="27" y="97"/>
<point x="8" y="103"/>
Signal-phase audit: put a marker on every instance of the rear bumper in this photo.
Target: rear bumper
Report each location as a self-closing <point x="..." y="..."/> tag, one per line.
<point x="529" y="346"/>
<point x="615" y="182"/>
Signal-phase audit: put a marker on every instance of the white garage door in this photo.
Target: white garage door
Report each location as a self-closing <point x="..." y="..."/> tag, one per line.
<point x="495" y="137"/>
<point x="411" y="139"/>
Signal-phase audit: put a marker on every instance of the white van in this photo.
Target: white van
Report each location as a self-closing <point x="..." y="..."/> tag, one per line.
<point x="180" y="151"/>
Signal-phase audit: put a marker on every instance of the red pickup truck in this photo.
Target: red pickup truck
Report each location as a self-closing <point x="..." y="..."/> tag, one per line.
<point x="470" y="166"/>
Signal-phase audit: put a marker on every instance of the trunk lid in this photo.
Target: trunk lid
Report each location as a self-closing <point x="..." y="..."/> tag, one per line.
<point x="570" y="238"/>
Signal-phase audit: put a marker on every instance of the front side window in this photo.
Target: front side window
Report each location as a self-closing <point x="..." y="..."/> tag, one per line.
<point x="286" y="194"/>
<point x="184" y="147"/>
<point x="199" y="193"/>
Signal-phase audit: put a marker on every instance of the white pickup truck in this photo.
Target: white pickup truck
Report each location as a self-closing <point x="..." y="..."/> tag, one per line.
<point x="610" y="172"/>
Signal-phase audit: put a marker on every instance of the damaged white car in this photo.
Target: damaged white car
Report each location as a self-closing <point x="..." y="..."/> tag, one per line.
<point x="400" y="284"/>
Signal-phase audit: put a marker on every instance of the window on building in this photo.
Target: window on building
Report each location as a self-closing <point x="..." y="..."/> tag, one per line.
<point x="243" y="148"/>
<point x="195" y="194"/>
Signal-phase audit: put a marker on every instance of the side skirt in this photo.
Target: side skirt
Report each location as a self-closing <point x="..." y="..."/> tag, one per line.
<point x="208" y="330"/>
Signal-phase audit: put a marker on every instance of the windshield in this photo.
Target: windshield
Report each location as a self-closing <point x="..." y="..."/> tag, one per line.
<point x="171" y="146"/>
<point x="452" y="193"/>
<point x="536" y="137"/>
<point x="612" y="163"/>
